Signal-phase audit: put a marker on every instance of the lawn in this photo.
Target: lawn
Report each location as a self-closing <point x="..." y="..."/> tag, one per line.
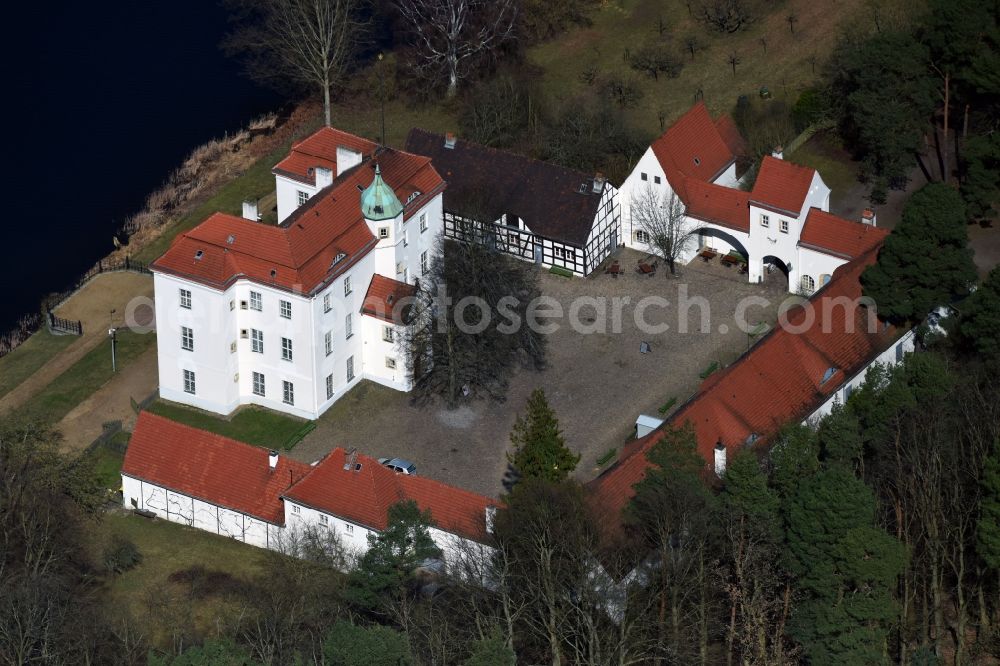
<point x="107" y="460"/>
<point x="154" y="593"/>
<point x="253" y="425"/>
<point x="85" y="376"/>
<point x="36" y="351"/>
<point x="824" y="153"/>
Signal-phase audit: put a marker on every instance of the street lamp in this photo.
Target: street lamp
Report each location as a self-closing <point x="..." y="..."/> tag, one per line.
<point x="111" y="334"/>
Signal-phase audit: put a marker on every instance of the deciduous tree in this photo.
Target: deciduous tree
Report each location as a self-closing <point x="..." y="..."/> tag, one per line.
<point x="659" y="213"/>
<point x="298" y="43"/>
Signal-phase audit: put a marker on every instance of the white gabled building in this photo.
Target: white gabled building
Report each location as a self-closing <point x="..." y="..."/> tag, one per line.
<point x="292" y="316"/>
<point x="263" y="498"/>
<point x="782" y="222"/>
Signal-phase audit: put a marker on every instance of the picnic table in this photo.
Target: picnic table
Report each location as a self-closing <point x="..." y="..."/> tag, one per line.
<point x="729" y="260"/>
<point x="645" y="267"/>
<point x="707" y="254"/>
<point x="614" y="270"/>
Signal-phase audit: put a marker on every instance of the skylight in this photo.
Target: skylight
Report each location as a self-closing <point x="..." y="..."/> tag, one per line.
<point x="826" y="375"/>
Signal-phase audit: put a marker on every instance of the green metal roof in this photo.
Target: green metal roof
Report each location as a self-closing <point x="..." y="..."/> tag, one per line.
<point x="378" y="201"/>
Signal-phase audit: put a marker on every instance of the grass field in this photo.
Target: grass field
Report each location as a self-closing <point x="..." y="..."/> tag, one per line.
<point x="158" y="593"/>
<point x="36" y="351"/>
<point x="86" y="376"/>
<point x="107" y="461"/>
<point x="252" y="425"/>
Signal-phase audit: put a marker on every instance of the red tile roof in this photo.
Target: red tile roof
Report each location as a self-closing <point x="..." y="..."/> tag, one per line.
<point x="364" y="495"/>
<point x="715" y="203"/>
<point x="779" y="382"/>
<point x="383" y="298"/>
<point x="782" y="185"/>
<point x="693" y="147"/>
<point x="302" y="253"/>
<point x="730" y="134"/>
<point x="320" y="149"/>
<point x="210" y="467"/>
<point x="835" y="235"/>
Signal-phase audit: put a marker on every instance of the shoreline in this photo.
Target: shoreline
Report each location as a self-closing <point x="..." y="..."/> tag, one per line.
<point x="207" y="168"/>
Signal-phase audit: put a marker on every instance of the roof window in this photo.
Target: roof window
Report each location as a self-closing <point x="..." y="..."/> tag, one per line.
<point x="697" y="161"/>
<point x="828" y="374"/>
<point x="198" y="255"/>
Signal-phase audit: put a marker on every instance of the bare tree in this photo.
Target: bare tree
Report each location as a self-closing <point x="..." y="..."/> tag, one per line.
<point x="734" y="59"/>
<point x="302" y="43"/>
<point x="661" y="217"/>
<point x="451" y="34"/>
<point x="726" y="15"/>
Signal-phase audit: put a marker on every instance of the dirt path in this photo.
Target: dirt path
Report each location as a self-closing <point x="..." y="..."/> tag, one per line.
<point x="110" y="402"/>
<point x="91" y="305"/>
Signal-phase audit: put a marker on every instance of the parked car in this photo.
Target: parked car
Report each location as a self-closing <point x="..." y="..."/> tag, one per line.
<point x="399" y="465"/>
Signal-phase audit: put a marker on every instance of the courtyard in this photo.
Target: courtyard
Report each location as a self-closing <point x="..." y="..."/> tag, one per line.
<point x="597" y="382"/>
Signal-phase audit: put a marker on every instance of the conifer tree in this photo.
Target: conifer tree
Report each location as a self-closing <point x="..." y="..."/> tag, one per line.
<point x="846" y="569"/>
<point x="981" y="320"/>
<point x="540" y="451"/>
<point x="988" y="533"/>
<point x="926" y="261"/>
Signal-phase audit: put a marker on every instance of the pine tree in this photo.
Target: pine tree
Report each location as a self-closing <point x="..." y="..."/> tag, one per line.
<point x="845" y="570"/>
<point x="988" y="533"/>
<point x="392" y="556"/>
<point x="926" y="261"/>
<point x="840" y="437"/>
<point x="981" y="320"/>
<point x="539" y="449"/>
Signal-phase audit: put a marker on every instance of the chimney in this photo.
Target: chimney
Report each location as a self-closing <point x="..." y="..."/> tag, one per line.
<point x="347" y="159"/>
<point x="599" y="181"/>
<point x="324" y="177"/>
<point x="778" y="153"/>
<point x="868" y="217"/>
<point x="720" y="459"/>
<point x="250" y="210"/>
<point x="449" y="140"/>
<point x="272" y="460"/>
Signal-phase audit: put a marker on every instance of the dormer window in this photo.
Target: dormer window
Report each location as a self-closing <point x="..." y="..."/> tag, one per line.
<point x="412" y="196"/>
<point x="827" y="375"/>
<point x="302" y="197"/>
<point x="198" y="255"/>
<point x="377" y="210"/>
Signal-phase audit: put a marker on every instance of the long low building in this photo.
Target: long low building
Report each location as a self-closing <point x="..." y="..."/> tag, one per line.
<point x="204" y="480"/>
<point x="797" y="373"/>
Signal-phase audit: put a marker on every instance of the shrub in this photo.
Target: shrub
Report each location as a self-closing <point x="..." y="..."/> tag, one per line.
<point x="811" y="107"/>
<point x="623" y="91"/>
<point x="656" y="58"/>
<point x="121" y="555"/>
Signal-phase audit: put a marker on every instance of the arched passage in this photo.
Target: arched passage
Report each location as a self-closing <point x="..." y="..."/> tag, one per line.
<point x="720" y="240"/>
<point x="775" y="269"/>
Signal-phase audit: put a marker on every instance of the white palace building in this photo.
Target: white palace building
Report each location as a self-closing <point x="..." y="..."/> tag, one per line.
<point x="291" y="316"/>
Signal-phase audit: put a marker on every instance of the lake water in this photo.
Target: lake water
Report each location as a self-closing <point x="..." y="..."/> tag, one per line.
<point x="102" y="100"/>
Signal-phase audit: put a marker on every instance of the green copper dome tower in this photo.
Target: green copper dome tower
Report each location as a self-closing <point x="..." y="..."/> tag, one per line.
<point x="378" y="201"/>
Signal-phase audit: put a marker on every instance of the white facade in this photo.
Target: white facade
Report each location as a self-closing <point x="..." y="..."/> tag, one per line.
<point x="187" y="510"/>
<point x="294" y="352"/>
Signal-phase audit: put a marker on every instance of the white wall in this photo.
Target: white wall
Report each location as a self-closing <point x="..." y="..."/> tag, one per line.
<point x="817" y="265"/>
<point x="649" y="165"/>
<point x="288" y="195"/>
<point x="186" y="510"/>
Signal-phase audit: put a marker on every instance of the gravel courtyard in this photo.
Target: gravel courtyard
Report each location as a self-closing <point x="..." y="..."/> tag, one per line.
<point x="598" y="383"/>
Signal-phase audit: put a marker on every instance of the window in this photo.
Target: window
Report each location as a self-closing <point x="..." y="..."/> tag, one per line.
<point x="349" y="528"/>
<point x="390" y="362"/>
<point x="765" y="220"/>
<point x="423" y="222"/>
<point x="348" y="330"/>
<point x="296" y="510"/>
<point x="323" y="520"/>
<point x="256" y="341"/>
<point x="783" y="225"/>
<point x="830" y="372"/>
<point x="329" y="386"/>
<point x="258" y="384"/>
<point x="423" y="262"/>
<point x="256" y="302"/>
<point x="350" y="368"/>
<point x="232" y="347"/>
<point x="187" y="338"/>
<point x="189" y="381"/>
<point x="641" y="236"/>
<point x="326" y="302"/>
<point x="808" y="284"/>
<point x="286" y="349"/>
<point x="186" y="299"/>
<point x="288" y="393"/>
<point x="847" y="392"/>
<point x="232" y="305"/>
<point x="387" y="333"/>
<point x="328" y="342"/>
<point x="302" y="197"/>
<point x="644" y="176"/>
<point x="285" y="309"/>
<point x="406" y="275"/>
<point x="656" y="179"/>
<point x="406" y="237"/>
<point x="347" y="285"/>
<point x="899" y="352"/>
<point x="558" y="252"/>
<point x="383" y="232"/>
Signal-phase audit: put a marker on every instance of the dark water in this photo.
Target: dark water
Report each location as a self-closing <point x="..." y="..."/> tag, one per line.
<point x="101" y="100"/>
